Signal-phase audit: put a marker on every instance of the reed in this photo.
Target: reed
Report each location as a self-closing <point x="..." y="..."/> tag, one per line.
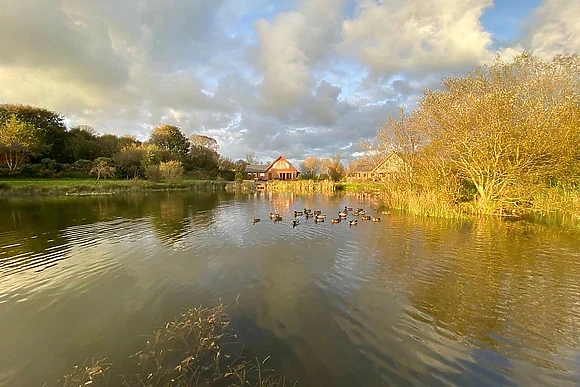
<point x="302" y="186"/>
<point x="197" y="348"/>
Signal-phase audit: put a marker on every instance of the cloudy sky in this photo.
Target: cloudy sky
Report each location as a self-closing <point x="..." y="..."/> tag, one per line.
<point x="297" y="77"/>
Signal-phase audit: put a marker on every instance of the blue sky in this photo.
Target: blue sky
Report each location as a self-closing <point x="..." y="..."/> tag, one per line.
<point x="299" y="78"/>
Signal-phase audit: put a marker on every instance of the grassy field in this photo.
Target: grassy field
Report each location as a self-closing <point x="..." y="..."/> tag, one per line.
<point x="91" y="186"/>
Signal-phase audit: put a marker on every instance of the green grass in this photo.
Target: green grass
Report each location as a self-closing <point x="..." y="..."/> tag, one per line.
<point x="75" y="186"/>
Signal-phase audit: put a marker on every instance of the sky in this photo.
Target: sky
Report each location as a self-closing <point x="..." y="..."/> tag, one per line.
<point x="297" y="77"/>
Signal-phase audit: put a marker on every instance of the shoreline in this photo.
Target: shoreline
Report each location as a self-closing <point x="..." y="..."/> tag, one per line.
<point x="414" y="205"/>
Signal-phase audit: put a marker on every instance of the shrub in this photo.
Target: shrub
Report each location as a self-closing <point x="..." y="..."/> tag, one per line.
<point x="129" y="162"/>
<point x="152" y="172"/>
<point x="103" y="167"/>
<point x="171" y="171"/>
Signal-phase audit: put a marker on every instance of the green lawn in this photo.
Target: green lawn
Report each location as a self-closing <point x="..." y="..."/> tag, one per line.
<point x="52" y="186"/>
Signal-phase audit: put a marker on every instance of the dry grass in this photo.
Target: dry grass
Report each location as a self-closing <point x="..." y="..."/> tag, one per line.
<point x="198" y="348"/>
<point x="302" y="186"/>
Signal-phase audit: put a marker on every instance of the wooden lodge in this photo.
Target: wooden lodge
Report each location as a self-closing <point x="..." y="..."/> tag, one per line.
<point x="279" y="169"/>
<point x="391" y="165"/>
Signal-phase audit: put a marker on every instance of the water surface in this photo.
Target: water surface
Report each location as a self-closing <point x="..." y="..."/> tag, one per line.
<point x="403" y="301"/>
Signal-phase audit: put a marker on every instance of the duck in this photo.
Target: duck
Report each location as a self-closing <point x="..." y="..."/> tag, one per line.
<point x="295" y="223"/>
<point x="273" y="215"/>
<point x="318" y="219"/>
<point x="386" y="212"/>
<point x="348" y="208"/>
<point x="277" y="218"/>
<point x="353" y="222"/>
<point x="335" y="220"/>
<point x="255" y="220"/>
<point x="317" y="212"/>
<point x="366" y="217"/>
<point x="298" y="213"/>
<point x="342" y="214"/>
<point x="376" y="219"/>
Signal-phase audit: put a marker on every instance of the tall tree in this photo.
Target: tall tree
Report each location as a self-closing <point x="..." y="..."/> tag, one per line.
<point x="82" y="144"/>
<point x="333" y="168"/>
<point x="250" y="157"/>
<point x="204" y="141"/>
<point x="18" y="140"/>
<point x="170" y="138"/>
<point x="506" y="127"/>
<point x="50" y="124"/>
<point x="311" y="167"/>
<point x="399" y="135"/>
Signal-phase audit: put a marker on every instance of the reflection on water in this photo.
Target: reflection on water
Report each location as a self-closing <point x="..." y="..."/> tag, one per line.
<point x="406" y="300"/>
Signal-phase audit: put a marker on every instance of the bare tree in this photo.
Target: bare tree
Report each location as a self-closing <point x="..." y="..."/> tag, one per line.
<point x="250" y="157"/>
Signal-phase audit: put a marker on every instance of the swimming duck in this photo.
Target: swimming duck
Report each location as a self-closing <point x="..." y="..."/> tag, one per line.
<point x="376" y="219"/>
<point x="366" y="217"/>
<point x="342" y="214"/>
<point x="353" y="222"/>
<point x="298" y="213"/>
<point x="335" y="220"/>
<point x="255" y="220"/>
<point x="318" y="219"/>
<point x="295" y="223"/>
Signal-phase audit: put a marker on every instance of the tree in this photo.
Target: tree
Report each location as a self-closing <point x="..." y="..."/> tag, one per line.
<point x="18" y="140"/>
<point x="332" y="167"/>
<point x="506" y="127"/>
<point x="81" y="144"/>
<point x="250" y="157"/>
<point x="399" y="135"/>
<point x="103" y="167"/>
<point x="50" y="125"/>
<point x="131" y="160"/>
<point x="311" y="167"/>
<point x="204" y="141"/>
<point x="170" y="138"/>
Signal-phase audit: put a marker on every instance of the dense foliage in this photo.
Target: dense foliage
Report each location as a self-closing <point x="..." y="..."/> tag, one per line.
<point x="496" y="138"/>
<point x="34" y="142"/>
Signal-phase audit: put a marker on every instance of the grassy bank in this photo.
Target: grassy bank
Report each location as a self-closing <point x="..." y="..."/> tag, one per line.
<point x="92" y="187"/>
<point x="197" y="348"/>
<point x="552" y="205"/>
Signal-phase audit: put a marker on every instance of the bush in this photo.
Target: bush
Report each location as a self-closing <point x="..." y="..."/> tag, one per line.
<point x="80" y="168"/>
<point x="129" y="162"/>
<point x="171" y="171"/>
<point x="152" y="172"/>
<point x="48" y="168"/>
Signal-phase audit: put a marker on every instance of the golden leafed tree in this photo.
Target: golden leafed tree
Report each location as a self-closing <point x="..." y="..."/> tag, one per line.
<point x="18" y="140"/>
<point x="507" y="127"/>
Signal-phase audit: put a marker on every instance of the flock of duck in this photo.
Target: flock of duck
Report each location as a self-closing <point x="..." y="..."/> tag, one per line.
<point x="319" y="217"/>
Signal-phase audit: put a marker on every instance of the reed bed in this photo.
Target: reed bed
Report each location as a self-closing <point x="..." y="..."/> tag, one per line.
<point x="198" y="348"/>
<point x="302" y="186"/>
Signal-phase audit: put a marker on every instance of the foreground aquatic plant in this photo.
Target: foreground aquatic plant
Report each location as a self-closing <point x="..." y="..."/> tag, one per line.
<point x="198" y="348"/>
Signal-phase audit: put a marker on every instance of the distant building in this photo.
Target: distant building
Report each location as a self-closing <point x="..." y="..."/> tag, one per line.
<point x="279" y="169"/>
<point x="391" y="165"/>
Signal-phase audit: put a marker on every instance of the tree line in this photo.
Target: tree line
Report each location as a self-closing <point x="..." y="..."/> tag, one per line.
<point x="35" y="142"/>
<point x="504" y="137"/>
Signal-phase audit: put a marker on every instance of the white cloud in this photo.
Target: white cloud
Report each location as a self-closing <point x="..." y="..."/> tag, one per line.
<point x="290" y="46"/>
<point x="416" y="36"/>
<point x="555" y="28"/>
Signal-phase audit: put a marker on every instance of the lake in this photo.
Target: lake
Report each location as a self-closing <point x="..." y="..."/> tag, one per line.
<point x="403" y="301"/>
